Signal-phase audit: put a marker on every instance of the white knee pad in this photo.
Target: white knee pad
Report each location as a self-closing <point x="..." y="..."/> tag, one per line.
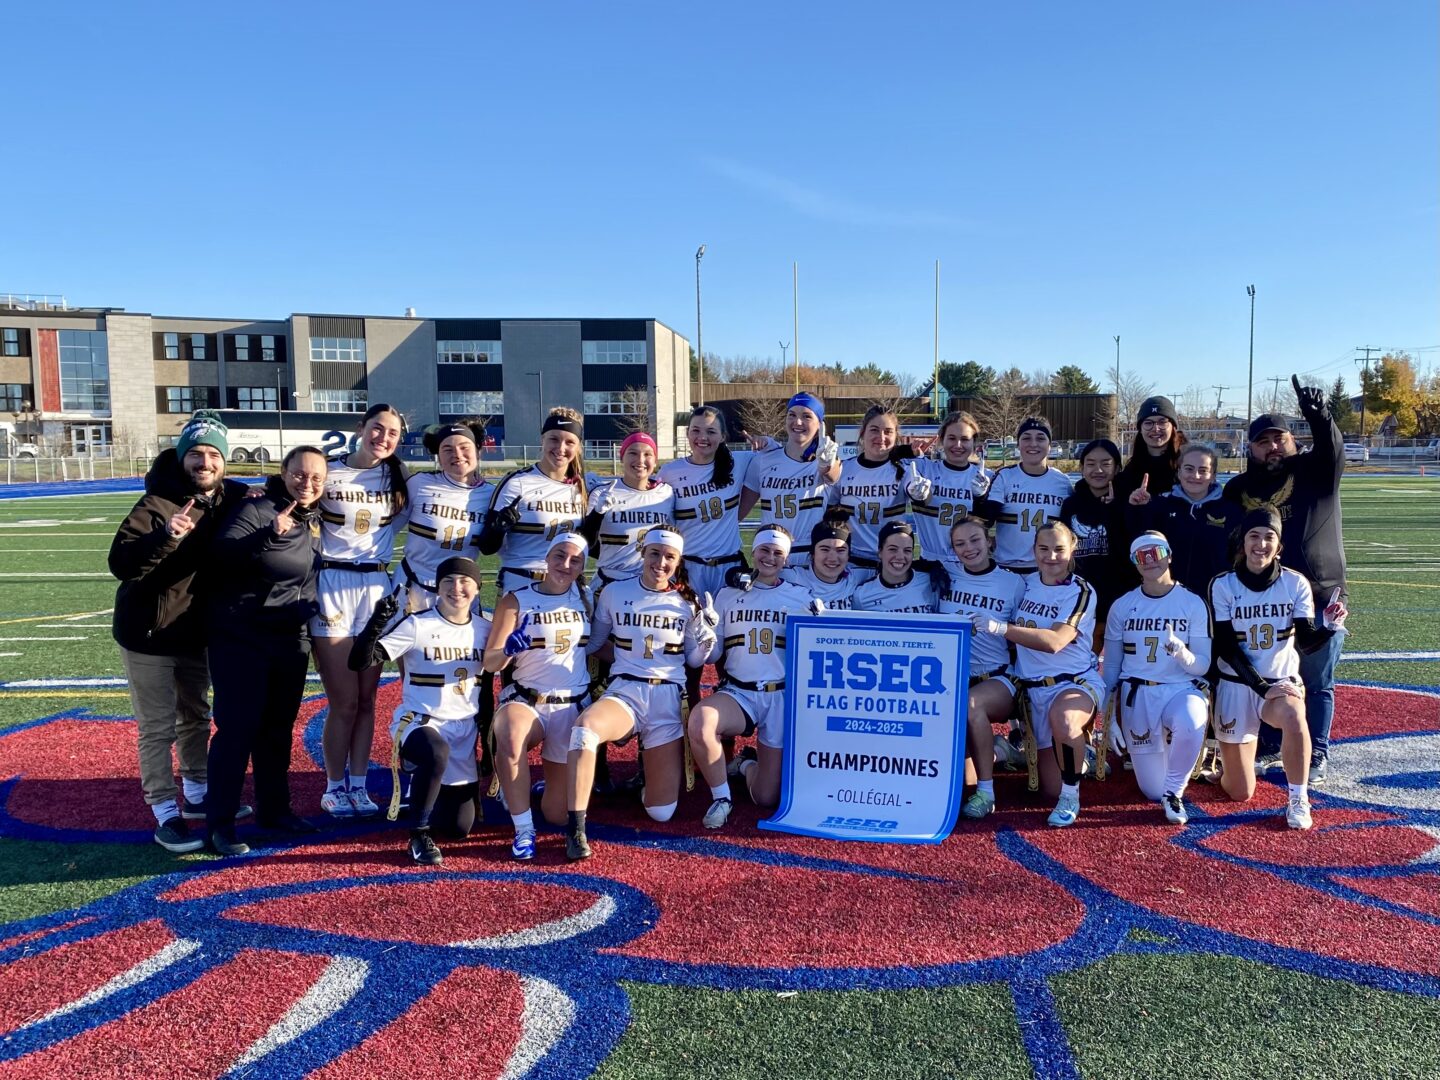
<point x="584" y="739"/>
<point x="662" y="813"/>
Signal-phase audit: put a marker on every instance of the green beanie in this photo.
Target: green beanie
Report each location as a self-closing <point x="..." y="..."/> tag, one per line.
<point x="203" y="429"/>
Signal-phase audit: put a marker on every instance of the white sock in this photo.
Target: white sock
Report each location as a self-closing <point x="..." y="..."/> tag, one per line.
<point x="356" y="784"/>
<point x="195" y="790"/>
<point x="721" y="792"/>
<point x="164" y="811"/>
<point x="1070" y="789"/>
<point x="1300" y="789"/>
<point x="987" y="786"/>
<point x="747" y="765"/>
<point x="334" y="785"/>
<point x="523" y="822"/>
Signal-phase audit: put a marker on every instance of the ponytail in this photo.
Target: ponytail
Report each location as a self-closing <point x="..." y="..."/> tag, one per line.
<point x="724" y="464"/>
<point x="681" y="584"/>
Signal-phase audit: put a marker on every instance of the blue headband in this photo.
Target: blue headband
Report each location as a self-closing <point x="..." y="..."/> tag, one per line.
<point x="808" y="401"/>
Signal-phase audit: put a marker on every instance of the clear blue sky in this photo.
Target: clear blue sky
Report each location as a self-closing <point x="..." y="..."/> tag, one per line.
<point x="1080" y="171"/>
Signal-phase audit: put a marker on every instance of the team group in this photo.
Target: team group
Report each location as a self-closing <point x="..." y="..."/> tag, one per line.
<point x="1210" y="607"/>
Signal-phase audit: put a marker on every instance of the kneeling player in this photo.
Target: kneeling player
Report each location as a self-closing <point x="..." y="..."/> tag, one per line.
<point x="752" y="697"/>
<point x="539" y="640"/>
<point x="433" y="732"/>
<point x="1157" y="650"/>
<point x="1261" y="610"/>
<point x="652" y="626"/>
<point x="829" y="576"/>
<point x="904" y="584"/>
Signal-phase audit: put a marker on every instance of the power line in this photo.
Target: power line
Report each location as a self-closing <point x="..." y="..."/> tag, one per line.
<point x="1218" y="391"/>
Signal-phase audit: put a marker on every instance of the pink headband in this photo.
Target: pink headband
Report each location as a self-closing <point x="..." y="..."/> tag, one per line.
<point x="638" y="437"/>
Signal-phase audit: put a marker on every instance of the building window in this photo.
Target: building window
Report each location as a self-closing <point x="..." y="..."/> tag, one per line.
<point x="12" y="397"/>
<point x="197" y="346"/>
<point x="242" y="348"/>
<point x="614" y="402"/>
<point x="613" y="352"/>
<point x="467" y="352"/>
<point x="185" y="399"/>
<point x="10" y="342"/>
<point x="172" y="346"/>
<point x="267" y="348"/>
<point x="257" y="397"/>
<point x="84" y="371"/>
<point x="472" y="403"/>
<point x="343" y="349"/>
<point x="340" y="400"/>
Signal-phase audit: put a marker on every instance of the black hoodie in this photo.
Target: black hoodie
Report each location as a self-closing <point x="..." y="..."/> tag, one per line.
<point x="266" y="595"/>
<point x="159" y="607"/>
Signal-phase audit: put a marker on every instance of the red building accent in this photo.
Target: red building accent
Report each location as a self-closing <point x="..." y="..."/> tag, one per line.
<point x="49" y="346"/>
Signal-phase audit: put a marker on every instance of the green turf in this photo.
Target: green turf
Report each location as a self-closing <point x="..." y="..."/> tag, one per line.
<point x="40" y="877"/>
<point x="963" y="1031"/>
<point x="1218" y="1018"/>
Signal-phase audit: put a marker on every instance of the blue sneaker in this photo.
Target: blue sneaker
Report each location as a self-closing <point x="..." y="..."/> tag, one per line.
<point x="1065" y="812"/>
<point x="524" y="846"/>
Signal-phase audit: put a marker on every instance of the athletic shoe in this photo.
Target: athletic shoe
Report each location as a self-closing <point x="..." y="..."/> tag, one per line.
<point x="361" y="802"/>
<point x="978" y="805"/>
<point x="1297" y="814"/>
<point x="1318" y="771"/>
<point x="1268" y="762"/>
<point x="1087" y="768"/>
<point x="174" y="837"/>
<point x="1174" y="807"/>
<point x="423" y="849"/>
<point x="1065" y="812"/>
<point x="524" y="845"/>
<point x="537" y="789"/>
<point x="1008" y="756"/>
<point x="195" y="811"/>
<point x="718" y="814"/>
<point x="292" y="824"/>
<point x="225" y="842"/>
<point x="337" y="804"/>
<point x="732" y="770"/>
<point x="577" y="846"/>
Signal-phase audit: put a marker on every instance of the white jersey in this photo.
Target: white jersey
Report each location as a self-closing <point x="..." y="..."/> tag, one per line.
<point x="443" y="664"/>
<point x="559" y="632"/>
<point x="1026" y="503"/>
<point x="835" y="595"/>
<point x="752" y="628"/>
<point x="995" y="592"/>
<point x="651" y="631"/>
<point x="792" y="493"/>
<point x="357" y="514"/>
<point x="547" y="509"/>
<point x="952" y="496"/>
<point x="915" y="595"/>
<point x="706" y="516"/>
<point x="1071" y="602"/>
<point x="444" y="519"/>
<point x="1264" y="622"/>
<point x="874" y="495"/>
<point x="1141" y="624"/>
<point x="631" y="513"/>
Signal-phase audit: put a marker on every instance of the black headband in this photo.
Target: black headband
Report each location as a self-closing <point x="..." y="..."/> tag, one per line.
<point x="895" y="528"/>
<point x="560" y="422"/>
<point x="1030" y="423"/>
<point x="830" y="530"/>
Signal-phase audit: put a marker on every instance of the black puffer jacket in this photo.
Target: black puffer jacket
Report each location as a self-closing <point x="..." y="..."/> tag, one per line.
<point x="1102" y="548"/>
<point x="1198" y="532"/>
<point x="160" y="604"/>
<point x="266" y="595"/>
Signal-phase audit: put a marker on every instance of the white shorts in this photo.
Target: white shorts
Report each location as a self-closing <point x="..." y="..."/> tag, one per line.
<point x="414" y="597"/>
<point x="654" y="707"/>
<point x="1143" y="716"/>
<point x="347" y="600"/>
<point x="1041" y="698"/>
<point x="557" y="718"/>
<point x="459" y="735"/>
<point x="1237" y="711"/>
<point x="765" y="709"/>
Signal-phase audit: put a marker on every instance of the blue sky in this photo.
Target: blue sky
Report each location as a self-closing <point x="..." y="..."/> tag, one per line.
<point x="1080" y="171"/>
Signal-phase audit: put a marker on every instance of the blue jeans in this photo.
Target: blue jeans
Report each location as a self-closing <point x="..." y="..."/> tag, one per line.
<point x="1317" y="672"/>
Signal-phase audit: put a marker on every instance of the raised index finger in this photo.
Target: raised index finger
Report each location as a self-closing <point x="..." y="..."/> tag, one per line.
<point x="189" y="505"/>
<point x="1295" y="382"/>
<point x="291" y="508"/>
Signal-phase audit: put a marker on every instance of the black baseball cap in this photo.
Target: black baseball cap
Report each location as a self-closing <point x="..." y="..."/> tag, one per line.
<point x="1266" y="422"/>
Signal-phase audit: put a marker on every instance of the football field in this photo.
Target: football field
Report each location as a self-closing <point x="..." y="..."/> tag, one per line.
<point x="1122" y="947"/>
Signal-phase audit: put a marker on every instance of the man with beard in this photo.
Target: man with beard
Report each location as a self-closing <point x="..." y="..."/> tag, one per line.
<point x="161" y="557"/>
<point x="1305" y="490"/>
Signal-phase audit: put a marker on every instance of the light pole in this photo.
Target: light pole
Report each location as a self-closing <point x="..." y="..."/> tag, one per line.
<point x="1118" y="420"/>
<point x="783" y="365"/>
<point x="1250" y="384"/>
<point x="699" y="338"/>
<point x="280" y="409"/>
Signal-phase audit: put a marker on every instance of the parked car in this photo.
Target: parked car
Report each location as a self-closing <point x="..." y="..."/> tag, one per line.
<point x="1356" y="453"/>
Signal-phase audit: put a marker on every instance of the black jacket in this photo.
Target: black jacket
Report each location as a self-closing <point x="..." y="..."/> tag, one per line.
<point x="1162" y="472"/>
<point x="160" y="604"/>
<point x="1306" y="492"/>
<point x="1102" y="548"/>
<point x="1199" y="534"/>
<point x="266" y="595"/>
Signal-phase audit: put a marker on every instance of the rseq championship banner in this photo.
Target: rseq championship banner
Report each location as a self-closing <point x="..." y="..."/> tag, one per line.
<point x="874" y="727"/>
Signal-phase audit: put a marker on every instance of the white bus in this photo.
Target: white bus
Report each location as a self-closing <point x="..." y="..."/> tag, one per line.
<point x="258" y="437"/>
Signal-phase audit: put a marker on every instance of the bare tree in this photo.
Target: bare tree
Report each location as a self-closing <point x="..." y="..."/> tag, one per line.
<point x="1010" y="401"/>
<point x="1118" y="415"/>
<point x="1195" y="403"/>
<point x="636" y="417"/>
<point x="760" y="416"/>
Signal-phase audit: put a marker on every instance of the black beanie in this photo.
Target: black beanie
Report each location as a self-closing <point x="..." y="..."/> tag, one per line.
<point x="1263" y="516"/>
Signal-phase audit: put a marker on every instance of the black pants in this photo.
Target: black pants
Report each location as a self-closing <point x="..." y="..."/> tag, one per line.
<point x="256" y="697"/>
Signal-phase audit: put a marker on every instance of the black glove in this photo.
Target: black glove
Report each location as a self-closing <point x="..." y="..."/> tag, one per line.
<point x="1310" y="398"/>
<point x="738" y="577"/>
<point x="366" y="651"/>
<point x="503" y="520"/>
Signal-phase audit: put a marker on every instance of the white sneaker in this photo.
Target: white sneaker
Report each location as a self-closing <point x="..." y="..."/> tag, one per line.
<point x="718" y="814"/>
<point x="1174" y="807"/>
<point x="337" y="804"/>
<point x="363" y="805"/>
<point x="1297" y="814"/>
<point x="1065" y="812"/>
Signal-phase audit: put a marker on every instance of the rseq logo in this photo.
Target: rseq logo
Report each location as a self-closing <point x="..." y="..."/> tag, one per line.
<point x="867" y="824"/>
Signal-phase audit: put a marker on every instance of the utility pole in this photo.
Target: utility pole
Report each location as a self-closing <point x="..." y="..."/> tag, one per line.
<point x="1219" y="390"/>
<point x="1364" y="383"/>
<point x="1275" y="382"/>
<point x="783" y="346"/>
<point x="935" y="386"/>
<point x="1118" y="419"/>
<point x="699" y="341"/>
<point x="1250" y="385"/>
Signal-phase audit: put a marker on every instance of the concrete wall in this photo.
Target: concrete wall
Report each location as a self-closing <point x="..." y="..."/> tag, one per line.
<point x="551" y="348"/>
<point x="300" y="361"/>
<point x="400" y="357"/>
<point x="132" y="379"/>
<point x="669" y="385"/>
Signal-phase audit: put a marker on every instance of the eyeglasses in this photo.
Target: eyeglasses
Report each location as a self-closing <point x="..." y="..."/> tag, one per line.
<point x="307" y="479"/>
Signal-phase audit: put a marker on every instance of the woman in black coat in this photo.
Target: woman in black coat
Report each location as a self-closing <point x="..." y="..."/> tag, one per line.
<point x="268" y="552"/>
<point x="1155" y="455"/>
